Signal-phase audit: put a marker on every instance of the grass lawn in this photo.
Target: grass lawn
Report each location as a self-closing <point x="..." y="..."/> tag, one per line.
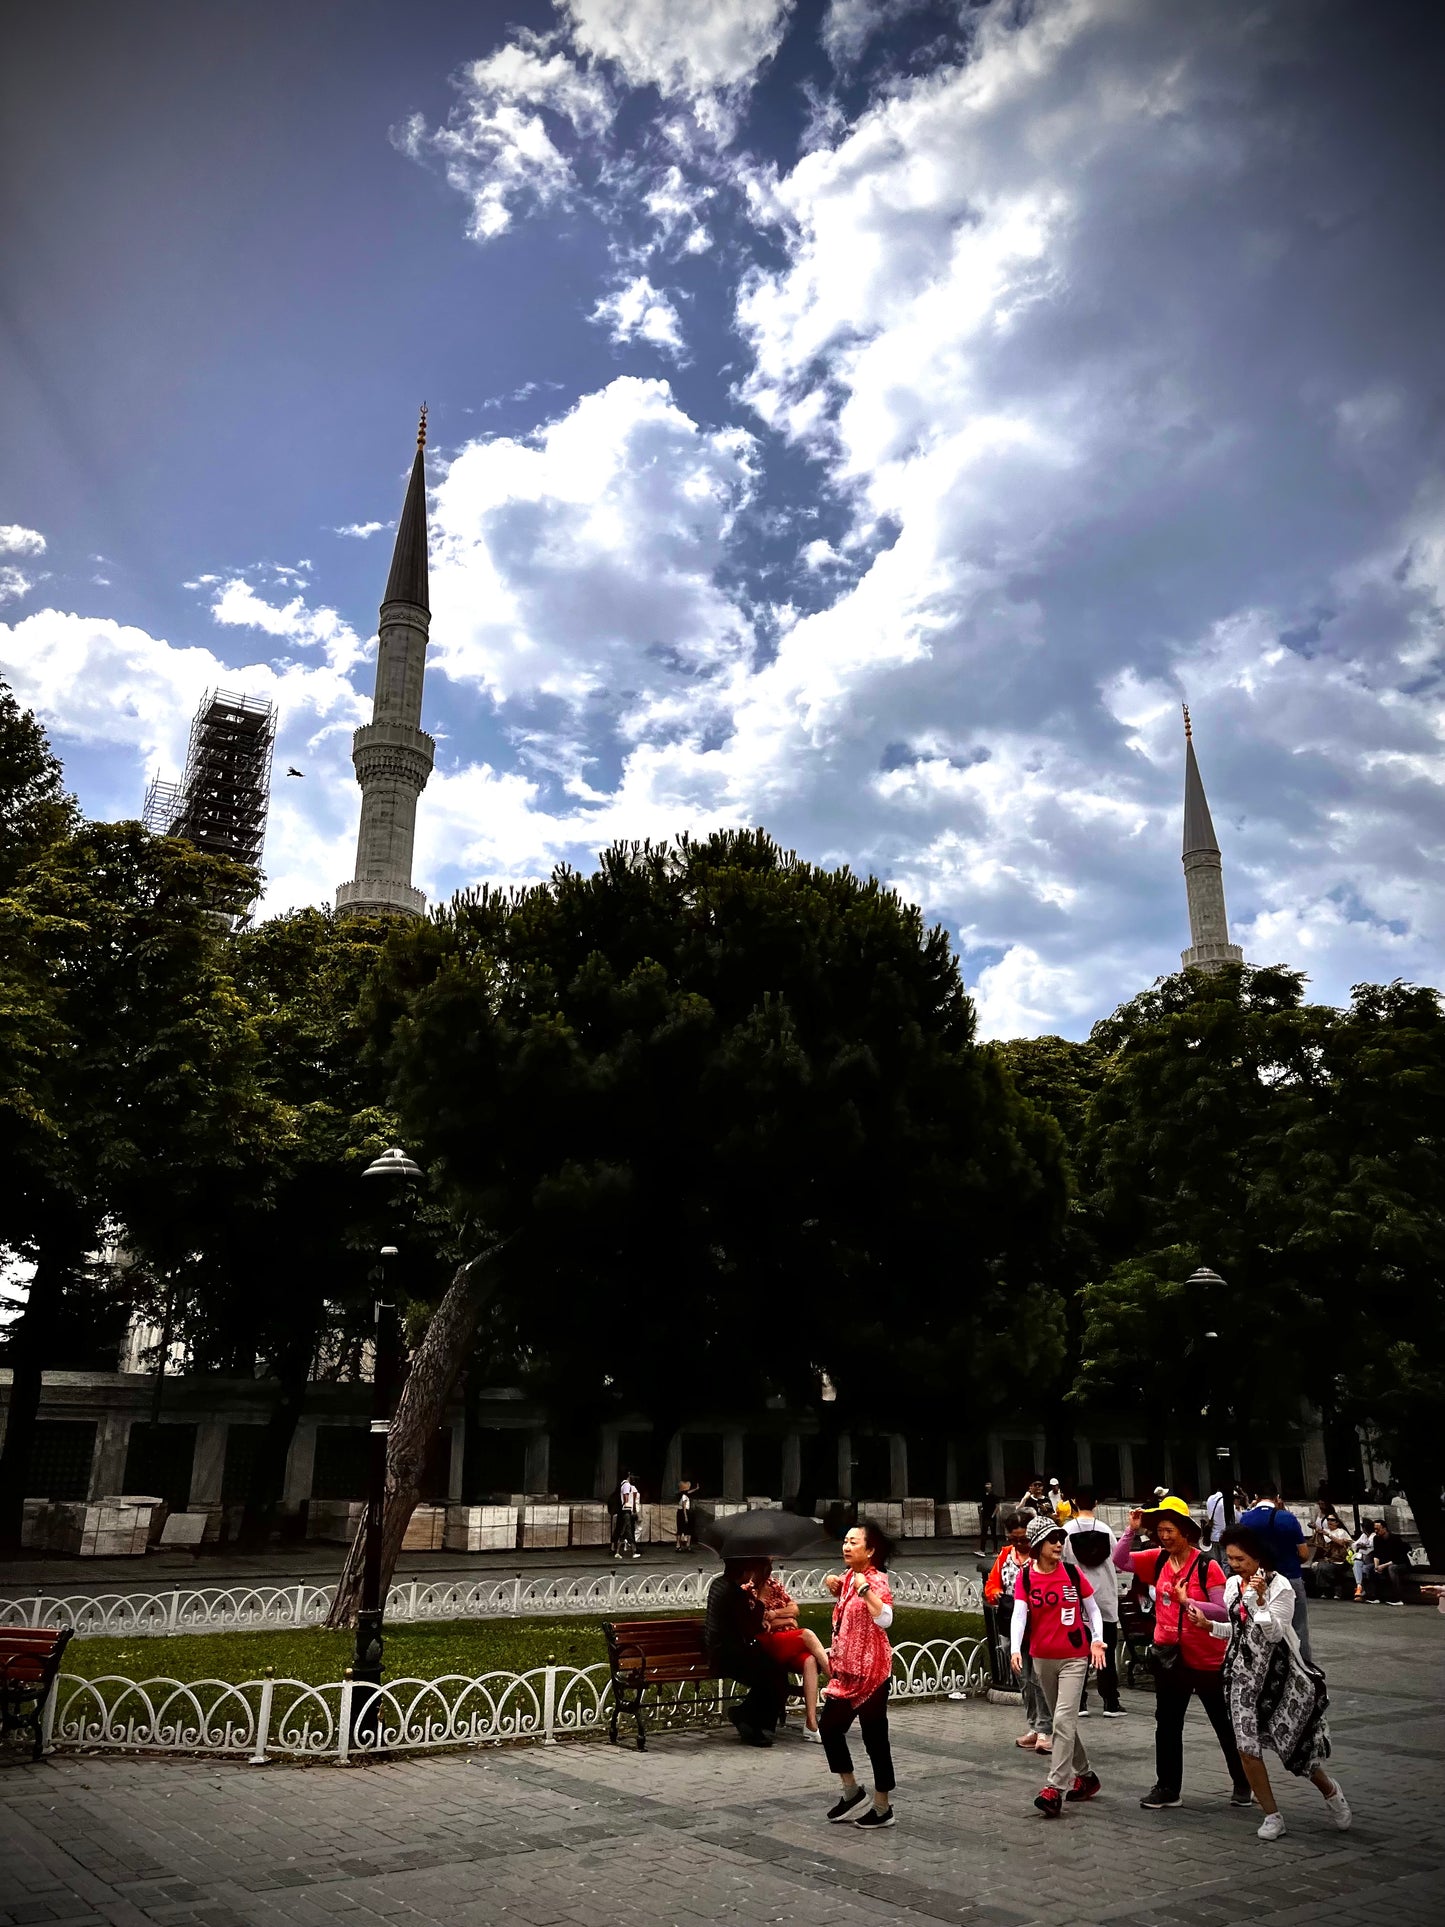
<point x="466" y="1646"/>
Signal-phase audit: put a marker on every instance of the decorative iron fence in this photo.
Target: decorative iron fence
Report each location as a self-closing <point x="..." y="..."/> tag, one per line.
<point x="286" y="1719"/>
<point x="211" y="1609"/>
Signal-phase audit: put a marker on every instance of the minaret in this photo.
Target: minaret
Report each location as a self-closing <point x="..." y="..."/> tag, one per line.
<point x="1203" y="873"/>
<point x="392" y="754"/>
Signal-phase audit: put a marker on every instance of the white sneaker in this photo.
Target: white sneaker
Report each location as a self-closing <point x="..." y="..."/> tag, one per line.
<point x="812" y="1733"/>
<point x="1272" y="1826"/>
<point x="1339" y="1807"/>
<point x="1395" y="1602"/>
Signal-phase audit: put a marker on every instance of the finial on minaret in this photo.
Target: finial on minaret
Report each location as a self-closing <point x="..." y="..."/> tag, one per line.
<point x="1188" y="726"/>
<point x="421" y="428"/>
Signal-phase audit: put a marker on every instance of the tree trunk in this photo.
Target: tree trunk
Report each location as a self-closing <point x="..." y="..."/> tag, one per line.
<point x="438" y="1364"/>
<point x="28" y="1349"/>
<point x="268" y="1473"/>
<point x="1419" y="1469"/>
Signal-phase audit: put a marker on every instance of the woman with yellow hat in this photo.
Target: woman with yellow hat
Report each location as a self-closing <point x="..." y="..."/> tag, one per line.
<point x="1188" y="1661"/>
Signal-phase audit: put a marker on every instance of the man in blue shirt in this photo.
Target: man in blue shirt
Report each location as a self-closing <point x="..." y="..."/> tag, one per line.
<point x="1289" y="1553"/>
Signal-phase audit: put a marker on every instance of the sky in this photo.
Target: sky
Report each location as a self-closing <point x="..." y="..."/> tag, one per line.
<point x="866" y="419"/>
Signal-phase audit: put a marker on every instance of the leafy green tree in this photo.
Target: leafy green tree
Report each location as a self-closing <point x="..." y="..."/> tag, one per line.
<point x="35" y="809"/>
<point x="1368" y="1192"/>
<point x="719" y="1106"/>
<point x="133" y="1085"/>
<point x="284" y="1253"/>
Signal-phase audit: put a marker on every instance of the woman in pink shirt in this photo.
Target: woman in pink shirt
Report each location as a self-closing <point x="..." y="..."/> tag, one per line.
<point x="1187" y="1659"/>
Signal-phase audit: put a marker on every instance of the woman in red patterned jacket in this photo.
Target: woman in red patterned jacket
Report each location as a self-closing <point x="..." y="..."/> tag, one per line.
<point x="861" y="1660"/>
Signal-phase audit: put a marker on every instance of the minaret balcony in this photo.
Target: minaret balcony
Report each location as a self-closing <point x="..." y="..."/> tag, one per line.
<point x="380" y="897"/>
<point x="393" y="750"/>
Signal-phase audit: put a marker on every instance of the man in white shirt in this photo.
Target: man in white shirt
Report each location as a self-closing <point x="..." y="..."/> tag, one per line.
<point x="1091" y="1545"/>
<point x="1215" y="1522"/>
<point x="631" y="1506"/>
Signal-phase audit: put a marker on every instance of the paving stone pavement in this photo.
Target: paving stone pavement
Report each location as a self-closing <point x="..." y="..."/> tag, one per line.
<point x="699" y="1829"/>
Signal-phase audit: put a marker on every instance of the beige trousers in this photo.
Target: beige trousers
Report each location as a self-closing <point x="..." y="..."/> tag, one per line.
<point x="1063" y="1684"/>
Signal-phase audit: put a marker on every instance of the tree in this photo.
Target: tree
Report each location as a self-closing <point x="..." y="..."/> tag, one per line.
<point x="287" y="1247"/>
<point x="35" y="810"/>
<point x="131" y="1083"/>
<point x="1370" y="1224"/>
<point x="711" y="1092"/>
<point x="1212" y="1083"/>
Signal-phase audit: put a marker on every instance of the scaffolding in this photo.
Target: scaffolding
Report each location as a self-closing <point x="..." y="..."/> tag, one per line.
<point x="162" y="805"/>
<point x="227" y="785"/>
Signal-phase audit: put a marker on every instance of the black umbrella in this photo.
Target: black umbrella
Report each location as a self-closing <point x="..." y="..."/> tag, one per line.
<point x="767" y="1534"/>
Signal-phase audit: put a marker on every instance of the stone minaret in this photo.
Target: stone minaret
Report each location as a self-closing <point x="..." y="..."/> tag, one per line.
<point x="1203" y="873"/>
<point x="392" y="753"/>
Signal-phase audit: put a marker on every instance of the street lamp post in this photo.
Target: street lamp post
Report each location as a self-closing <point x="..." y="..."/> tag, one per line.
<point x="1208" y="1282"/>
<point x="396" y="1167"/>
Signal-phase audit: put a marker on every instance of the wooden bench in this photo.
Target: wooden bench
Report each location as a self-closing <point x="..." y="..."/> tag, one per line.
<point x="651" y="1652"/>
<point x="29" y="1662"/>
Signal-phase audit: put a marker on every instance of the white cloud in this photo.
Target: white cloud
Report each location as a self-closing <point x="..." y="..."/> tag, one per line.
<point x="638" y="311"/>
<point x="237" y="605"/>
<point x="17" y="540"/>
<point x="582" y="562"/>
<point x="680" y="46"/>
<point x="363" y="531"/>
<point x="497" y="146"/>
<point x="15" y="585"/>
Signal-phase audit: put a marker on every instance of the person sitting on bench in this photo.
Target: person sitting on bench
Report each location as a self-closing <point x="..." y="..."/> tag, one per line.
<point x="734" y="1621"/>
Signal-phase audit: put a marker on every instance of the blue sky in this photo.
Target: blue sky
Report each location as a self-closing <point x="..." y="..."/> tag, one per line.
<point x="864" y="418"/>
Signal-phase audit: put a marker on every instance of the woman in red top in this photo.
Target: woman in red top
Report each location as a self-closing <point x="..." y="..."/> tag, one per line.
<point x="862" y="1663"/>
<point x="792" y="1645"/>
<point x="1188" y="1660"/>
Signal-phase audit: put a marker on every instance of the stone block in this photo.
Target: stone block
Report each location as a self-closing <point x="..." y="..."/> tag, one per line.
<point x="53" y="1525"/>
<point x="481" y="1528"/>
<point x="185" y="1529"/>
<point x="589" y="1525"/>
<point x="337" y="1521"/>
<point x="545" y="1525"/>
<point x="426" y="1529"/>
<point x="957" y="1520"/>
<point x="763" y="1505"/>
<point x="887" y="1513"/>
<point x="918" y="1519"/>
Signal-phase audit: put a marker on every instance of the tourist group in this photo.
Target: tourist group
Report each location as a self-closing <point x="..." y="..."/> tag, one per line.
<point x="1232" y="1635"/>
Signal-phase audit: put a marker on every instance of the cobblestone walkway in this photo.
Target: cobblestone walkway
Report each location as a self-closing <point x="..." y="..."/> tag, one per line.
<point x="699" y="1829"/>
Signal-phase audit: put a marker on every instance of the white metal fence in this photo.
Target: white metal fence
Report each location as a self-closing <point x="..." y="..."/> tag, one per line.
<point x="287" y="1719"/>
<point x="212" y="1609"/>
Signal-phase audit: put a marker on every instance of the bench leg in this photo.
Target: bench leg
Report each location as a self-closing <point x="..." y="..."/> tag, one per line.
<point x="641" y="1725"/>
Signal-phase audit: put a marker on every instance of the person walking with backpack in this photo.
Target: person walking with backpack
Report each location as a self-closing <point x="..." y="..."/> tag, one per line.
<point x="1277" y="1698"/>
<point x="1091" y="1544"/>
<point x="1056" y="1616"/>
<point x="1289" y="1552"/>
<point x="1187" y="1659"/>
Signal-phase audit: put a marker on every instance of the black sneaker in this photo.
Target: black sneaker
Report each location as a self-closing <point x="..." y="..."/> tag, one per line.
<point x="1158" y="1797"/>
<point x="873" y="1818"/>
<point x="1241" y="1797"/>
<point x="846" y="1805"/>
<point x="1115" y="1712"/>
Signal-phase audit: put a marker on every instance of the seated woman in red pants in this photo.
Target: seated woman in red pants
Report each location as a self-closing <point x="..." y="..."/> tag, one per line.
<point x="792" y="1645"/>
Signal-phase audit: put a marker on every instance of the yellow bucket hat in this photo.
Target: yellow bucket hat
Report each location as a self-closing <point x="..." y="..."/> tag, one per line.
<point x="1176" y="1510"/>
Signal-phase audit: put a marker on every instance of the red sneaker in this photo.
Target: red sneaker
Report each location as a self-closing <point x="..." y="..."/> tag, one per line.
<point x="1050" y="1802"/>
<point x="1085" y="1786"/>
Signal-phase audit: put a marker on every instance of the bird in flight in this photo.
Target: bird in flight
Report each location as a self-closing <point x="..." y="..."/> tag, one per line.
<point x="291" y="770"/>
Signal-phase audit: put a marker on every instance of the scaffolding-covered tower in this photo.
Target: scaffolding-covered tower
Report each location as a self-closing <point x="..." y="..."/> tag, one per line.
<point x="220" y="803"/>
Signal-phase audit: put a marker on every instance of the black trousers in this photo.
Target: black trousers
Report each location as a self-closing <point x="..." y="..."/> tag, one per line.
<point x="1173" y="1688"/>
<point x="767" y="1683"/>
<point x="872" y="1717"/>
<point x="1107" y="1676"/>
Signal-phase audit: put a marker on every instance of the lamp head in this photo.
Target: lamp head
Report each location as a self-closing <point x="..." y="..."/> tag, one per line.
<point x="392" y="1164"/>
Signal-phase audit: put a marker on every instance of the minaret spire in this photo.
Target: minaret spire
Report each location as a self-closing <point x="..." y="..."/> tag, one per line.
<point x="1209" y="945"/>
<point x="392" y="754"/>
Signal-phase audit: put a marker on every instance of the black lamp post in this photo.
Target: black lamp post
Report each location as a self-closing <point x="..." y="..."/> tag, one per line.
<point x="1208" y="1283"/>
<point x="399" y="1170"/>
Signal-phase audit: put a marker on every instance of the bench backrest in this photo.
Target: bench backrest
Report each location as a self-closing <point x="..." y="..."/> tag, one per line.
<point x="29" y="1653"/>
<point x="659" y="1649"/>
